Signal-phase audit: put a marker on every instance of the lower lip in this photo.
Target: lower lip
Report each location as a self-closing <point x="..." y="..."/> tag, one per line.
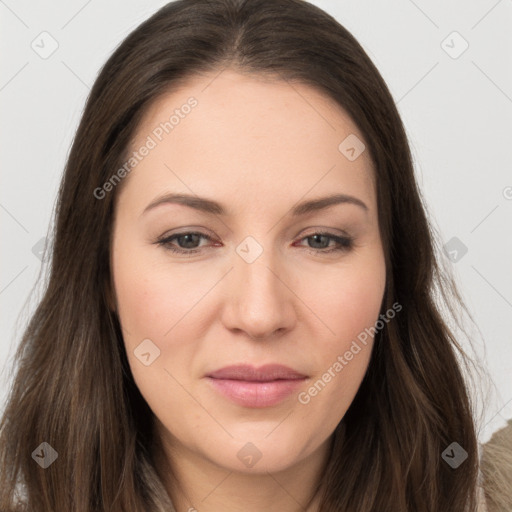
<point x="256" y="394"/>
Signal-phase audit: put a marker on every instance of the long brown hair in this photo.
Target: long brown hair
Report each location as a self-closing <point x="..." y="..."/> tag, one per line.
<point x="73" y="387"/>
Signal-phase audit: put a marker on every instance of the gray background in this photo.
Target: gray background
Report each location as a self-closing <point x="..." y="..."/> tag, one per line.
<point x="456" y="105"/>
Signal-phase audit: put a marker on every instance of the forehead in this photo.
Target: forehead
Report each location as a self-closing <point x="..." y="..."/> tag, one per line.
<point x="248" y="136"/>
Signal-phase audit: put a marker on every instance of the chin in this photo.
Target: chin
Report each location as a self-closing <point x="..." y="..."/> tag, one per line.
<point x="257" y="457"/>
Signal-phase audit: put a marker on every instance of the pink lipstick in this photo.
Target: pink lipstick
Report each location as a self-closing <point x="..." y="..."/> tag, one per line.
<point x="249" y="386"/>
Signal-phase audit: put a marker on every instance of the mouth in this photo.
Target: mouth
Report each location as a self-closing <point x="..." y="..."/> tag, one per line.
<point x="254" y="387"/>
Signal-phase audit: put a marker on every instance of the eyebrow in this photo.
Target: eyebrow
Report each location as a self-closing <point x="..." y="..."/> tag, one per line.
<point x="212" y="207"/>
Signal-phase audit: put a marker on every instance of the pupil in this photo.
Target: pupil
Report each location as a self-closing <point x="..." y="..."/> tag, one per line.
<point x="317" y="237"/>
<point x="188" y="237"/>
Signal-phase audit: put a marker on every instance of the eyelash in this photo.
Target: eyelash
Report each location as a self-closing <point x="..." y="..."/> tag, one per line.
<point x="345" y="243"/>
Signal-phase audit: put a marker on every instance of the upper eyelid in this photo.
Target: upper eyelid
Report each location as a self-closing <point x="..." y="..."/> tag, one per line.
<point x="183" y="233"/>
<point x="314" y="230"/>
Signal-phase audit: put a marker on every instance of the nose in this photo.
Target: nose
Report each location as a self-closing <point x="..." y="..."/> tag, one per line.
<point x="260" y="301"/>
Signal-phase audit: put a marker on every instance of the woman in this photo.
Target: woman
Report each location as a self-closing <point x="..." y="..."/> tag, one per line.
<point x="241" y="312"/>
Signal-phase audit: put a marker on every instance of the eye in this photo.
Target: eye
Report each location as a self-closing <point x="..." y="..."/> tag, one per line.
<point x="188" y="242"/>
<point x="342" y="243"/>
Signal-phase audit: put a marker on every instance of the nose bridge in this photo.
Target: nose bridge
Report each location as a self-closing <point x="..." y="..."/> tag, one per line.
<point x="259" y="301"/>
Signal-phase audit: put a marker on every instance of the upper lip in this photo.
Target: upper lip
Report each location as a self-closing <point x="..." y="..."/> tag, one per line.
<point x="263" y="373"/>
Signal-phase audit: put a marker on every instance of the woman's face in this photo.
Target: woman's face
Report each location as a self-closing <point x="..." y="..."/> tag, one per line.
<point x="258" y="282"/>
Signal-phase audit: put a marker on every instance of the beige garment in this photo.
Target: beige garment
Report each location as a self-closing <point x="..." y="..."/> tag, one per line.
<point x="482" y="506"/>
<point x="496" y="467"/>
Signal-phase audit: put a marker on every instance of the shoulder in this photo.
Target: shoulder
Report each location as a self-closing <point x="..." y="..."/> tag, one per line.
<point x="496" y="468"/>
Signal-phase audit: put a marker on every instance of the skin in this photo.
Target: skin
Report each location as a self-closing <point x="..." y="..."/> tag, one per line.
<point x="257" y="147"/>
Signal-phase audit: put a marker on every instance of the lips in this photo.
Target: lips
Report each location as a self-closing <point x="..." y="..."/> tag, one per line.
<point x="248" y="386"/>
<point x="266" y="373"/>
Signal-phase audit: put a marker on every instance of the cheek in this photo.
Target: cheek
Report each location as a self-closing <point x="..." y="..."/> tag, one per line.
<point x="162" y="304"/>
<point x="349" y="308"/>
<point x="350" y="302"/>
<point x="151" y="301"/>
<point x="150" y="298"/>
